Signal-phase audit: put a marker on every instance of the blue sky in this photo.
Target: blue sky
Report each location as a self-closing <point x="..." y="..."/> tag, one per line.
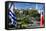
<point x="29" y="5"/>
<point x="24" y="5"/>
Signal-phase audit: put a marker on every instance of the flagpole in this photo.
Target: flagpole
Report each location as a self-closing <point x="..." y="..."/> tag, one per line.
<point x="36" y="6"/>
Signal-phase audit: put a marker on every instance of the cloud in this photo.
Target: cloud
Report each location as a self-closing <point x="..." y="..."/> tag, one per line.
<point x="30" y="8"/>
<point x="15" y="8"/>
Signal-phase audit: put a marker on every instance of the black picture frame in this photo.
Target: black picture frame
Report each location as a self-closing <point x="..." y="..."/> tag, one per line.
<point x="6" y="12"/>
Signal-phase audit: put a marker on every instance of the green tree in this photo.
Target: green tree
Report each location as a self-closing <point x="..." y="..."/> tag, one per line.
<point x="33" y="13"/>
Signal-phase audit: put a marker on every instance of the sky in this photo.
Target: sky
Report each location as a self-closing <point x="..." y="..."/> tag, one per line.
<point x="29" y="5"/>
<point x="39" y="7"/>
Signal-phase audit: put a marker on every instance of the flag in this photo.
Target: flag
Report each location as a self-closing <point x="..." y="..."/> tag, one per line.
<point x="12" y="15"/>
<point x="41" y="20"/>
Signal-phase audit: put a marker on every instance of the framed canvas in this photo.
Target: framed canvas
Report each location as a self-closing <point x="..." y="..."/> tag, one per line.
<point x="24" y="15"/>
